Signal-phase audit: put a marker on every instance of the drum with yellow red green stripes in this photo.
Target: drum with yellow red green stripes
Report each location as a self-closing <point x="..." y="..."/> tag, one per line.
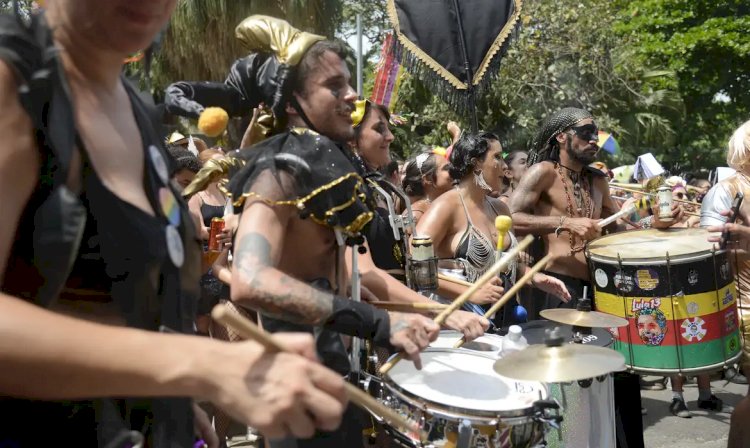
<point x="677" y="292"/>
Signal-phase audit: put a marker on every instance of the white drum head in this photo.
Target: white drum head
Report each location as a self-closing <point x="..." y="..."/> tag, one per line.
<point x="651" y="244"/>
<point x="461" y="379"/>
<point x="488" y="343"/>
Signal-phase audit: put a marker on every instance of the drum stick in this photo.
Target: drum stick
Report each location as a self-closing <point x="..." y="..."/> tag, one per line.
<point x="403" y="306"/>
<point x="457" y="281"/>
<point x="631" y="190"/>
<point x="640" y="204"/>
<point x="512" y="291"/>
<point x="248" y="330"/>
<point x="466" y="295"/>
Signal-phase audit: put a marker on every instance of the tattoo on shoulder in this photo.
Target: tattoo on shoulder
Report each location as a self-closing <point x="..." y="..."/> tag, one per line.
<point x="280" y="296"/>
<point x="529" y="189"/>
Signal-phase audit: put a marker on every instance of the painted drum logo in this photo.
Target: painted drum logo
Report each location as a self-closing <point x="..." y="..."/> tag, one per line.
<point x="693" y="277"/>
<point x="647" y="279"/>
<point x="692" y="329"/>
<point x="728" y="298"/>
<point x="601" y="278"/>
<point x="730" y="321"/>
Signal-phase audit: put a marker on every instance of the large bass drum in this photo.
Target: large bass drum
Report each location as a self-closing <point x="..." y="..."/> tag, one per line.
<point x="677" y="292"/>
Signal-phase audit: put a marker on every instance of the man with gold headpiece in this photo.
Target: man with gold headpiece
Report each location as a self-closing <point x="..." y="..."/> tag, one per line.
<point x="302" y="202"/>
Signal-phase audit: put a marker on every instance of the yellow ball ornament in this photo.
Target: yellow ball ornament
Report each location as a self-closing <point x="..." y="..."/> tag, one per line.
<point x="213" y="121"/>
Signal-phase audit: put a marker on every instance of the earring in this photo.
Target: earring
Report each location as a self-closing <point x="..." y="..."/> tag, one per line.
<point x="480" y="182"/>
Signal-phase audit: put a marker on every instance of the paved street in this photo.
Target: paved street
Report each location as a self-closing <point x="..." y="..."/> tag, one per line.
<point x="704" y="430"/>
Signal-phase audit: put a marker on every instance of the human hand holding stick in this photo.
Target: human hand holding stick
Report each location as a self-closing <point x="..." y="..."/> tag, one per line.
<point x="248" y="330"/>
<point x="512" y="291"/>
<point x="492" y="272"/>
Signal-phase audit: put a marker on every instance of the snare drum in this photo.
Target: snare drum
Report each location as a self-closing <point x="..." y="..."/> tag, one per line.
<point x="588" y="406"/>
<point x="490" y="344"/>
<point x="458" y="385"/>
<point x="677" y="292"/>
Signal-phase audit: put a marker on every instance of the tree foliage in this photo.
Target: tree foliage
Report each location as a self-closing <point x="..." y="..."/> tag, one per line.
<point x="199" y="42"/>
<point x="707" y="45"/>
<point x="671" y="77"/>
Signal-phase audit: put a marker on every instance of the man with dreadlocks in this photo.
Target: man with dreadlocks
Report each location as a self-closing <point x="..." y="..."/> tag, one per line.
<point x="561" y="199"/>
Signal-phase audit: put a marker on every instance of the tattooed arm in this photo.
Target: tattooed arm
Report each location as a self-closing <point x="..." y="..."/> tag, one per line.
<point x="538" y="178"/>
<point x="259" y="284"/>
<point x="256" y="282"/>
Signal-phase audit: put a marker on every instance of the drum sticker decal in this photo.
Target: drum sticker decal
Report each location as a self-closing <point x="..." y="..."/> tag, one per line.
<point x="623" y="282"/>
<point x="648" y="279"/>
<point x="651" y="321"/>
<point x="724" y="270"/>
<point x="601" y="278"/>
<point x="730" y="321"/>
<point x="692" y="329"/>
<point x="692" y="308"/>
<point x="733" y="344"/>
<point x="693" y="277"/>
<point x="728" y="298"/>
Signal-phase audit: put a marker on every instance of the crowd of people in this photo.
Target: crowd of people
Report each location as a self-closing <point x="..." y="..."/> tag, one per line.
<point x="110" y="276"/>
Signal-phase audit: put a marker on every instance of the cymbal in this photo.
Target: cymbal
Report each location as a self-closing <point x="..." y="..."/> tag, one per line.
<point x="559" y="364"/>
<point x="591" y="319"/>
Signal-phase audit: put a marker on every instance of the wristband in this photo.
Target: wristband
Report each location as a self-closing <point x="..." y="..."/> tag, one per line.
<point x="361" y="320"/>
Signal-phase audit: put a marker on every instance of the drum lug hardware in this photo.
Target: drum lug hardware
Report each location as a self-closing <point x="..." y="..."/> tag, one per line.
<point x="585" y="383"/>
<point x="365" y="382"/>
<point x="601" y="378"/>
<point x="543" y="412"/>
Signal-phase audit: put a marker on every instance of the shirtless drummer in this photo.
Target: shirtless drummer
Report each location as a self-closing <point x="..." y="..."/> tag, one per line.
<point x="561" y="199"/>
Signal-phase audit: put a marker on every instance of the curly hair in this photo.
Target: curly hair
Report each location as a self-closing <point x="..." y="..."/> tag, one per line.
<point x="468" y="151"/>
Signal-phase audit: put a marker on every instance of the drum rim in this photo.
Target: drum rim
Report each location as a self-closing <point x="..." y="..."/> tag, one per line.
<point x="651" y="261"/>
<point x="441" y="410"/>
<point x="693" y="370"/>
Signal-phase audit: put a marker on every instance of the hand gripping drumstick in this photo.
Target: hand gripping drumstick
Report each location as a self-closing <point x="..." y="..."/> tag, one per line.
<point x="248" y="330"/>
<point x="512" y="291"/>
<point x="640" y="204"/>
<point x="499" y="265"/>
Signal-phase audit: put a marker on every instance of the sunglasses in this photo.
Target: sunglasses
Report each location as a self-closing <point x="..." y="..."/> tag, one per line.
<point x="587" y="132"/>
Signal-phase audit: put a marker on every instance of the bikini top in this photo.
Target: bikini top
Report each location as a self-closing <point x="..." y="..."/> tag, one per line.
<point x="475" y="252"/>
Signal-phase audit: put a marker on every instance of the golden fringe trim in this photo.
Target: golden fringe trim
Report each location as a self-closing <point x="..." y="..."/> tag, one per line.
<point x="499" y="41"/>
<point x="354" y="227"/>
<point x="419" y="53"/>
<point x="439" y="69"/>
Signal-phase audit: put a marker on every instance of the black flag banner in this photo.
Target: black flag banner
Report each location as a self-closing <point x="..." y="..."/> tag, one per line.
<point x="454" y="46"/>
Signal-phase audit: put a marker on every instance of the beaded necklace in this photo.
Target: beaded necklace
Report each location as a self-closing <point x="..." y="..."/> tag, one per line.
<point x="583" y="201"/>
